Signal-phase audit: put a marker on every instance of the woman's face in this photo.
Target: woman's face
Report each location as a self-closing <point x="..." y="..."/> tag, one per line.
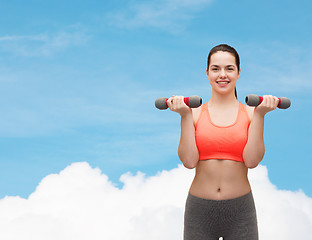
<point x="223" y="72"/>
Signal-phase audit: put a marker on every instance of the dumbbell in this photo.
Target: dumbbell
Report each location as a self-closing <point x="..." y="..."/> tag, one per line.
<point x="192" y="102"/>
<point x="254" y="100"/>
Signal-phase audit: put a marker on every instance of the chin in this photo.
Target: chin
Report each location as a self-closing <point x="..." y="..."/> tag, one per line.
<point x="225" y="92"/>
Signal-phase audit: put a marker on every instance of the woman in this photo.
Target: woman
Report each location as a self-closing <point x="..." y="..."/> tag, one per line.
<point x="222" y="139"/>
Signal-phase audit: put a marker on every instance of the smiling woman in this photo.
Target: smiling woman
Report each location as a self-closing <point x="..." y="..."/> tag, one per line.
<point x="223" y="77"/>
<point x="230" y="69"/>
<point x="221" y="139"/>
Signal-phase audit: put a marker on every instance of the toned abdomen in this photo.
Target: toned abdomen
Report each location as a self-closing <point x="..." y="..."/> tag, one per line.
<point x="220" y="179"/>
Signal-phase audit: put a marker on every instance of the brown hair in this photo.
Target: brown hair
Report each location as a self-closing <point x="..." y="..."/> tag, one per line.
<point x="224" y="48"/>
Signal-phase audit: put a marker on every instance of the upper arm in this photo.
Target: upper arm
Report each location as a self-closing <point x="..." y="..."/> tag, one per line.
<point x="196" y="112"/>
<point x="250" y="112"/>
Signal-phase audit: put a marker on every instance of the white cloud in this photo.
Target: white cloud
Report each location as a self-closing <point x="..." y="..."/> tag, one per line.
<point x="43" y="44"/>
<point x="164" y="14"/>
<point x="81" y="203"/>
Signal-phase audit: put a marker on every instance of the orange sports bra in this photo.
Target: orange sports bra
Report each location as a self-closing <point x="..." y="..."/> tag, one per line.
<point x="218" y="142"/>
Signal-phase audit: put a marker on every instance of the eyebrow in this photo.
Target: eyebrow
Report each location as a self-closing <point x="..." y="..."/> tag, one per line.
<point x="225" y="66"/>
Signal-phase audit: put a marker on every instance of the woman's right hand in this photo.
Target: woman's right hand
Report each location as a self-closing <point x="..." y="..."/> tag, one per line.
<point x="269" y="103"/>
<point x="177" y="104"/>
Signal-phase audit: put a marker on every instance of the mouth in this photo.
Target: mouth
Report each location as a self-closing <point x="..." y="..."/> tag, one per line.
<point x="222" y="82"/>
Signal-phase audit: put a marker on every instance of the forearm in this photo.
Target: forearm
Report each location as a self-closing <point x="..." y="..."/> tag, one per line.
<point x="255" y="149"/>
<point x="188" y="152"/>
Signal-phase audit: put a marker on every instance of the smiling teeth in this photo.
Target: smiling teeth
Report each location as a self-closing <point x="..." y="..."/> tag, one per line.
<point x="223" y="82"/>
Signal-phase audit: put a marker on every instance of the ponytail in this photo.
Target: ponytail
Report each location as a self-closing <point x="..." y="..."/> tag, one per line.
<point x="235" y="92"/>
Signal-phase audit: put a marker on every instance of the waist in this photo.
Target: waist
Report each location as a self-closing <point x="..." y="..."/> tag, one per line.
<point x="220" y="179"/>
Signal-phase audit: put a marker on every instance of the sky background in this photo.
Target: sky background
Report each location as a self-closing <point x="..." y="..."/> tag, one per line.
<point x="78" y="81"/>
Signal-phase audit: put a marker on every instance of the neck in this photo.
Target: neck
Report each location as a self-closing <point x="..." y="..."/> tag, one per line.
<point x="222" y="100"/>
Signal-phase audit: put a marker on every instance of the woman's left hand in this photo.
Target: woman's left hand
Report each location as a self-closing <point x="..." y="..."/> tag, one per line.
<point x="268" y="104"/>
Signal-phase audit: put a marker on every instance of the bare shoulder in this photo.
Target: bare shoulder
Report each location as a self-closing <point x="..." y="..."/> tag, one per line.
<point x="250" y="111"/>
<point x="196" y="113"/>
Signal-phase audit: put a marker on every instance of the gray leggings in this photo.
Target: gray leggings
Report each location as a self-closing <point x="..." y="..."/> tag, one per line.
<point x="231" y="219"/>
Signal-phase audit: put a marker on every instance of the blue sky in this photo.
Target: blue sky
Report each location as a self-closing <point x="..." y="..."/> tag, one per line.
<point x="79" y="79"/>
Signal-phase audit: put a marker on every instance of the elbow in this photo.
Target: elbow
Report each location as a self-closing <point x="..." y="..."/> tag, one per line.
<point x="190" y="165"/>
<point x="189" y="162"/>
<point x="252" y="162"/>
<point x="251" y="165"/>
<point x="189" y="159"/>
<point x="252" y="159"/>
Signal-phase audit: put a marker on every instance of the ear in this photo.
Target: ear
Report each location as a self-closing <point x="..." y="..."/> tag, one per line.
<point x="207" y="72"/>
<point x="239" y="73"/>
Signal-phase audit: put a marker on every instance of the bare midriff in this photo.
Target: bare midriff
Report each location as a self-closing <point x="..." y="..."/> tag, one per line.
<point x="220" y="179"/>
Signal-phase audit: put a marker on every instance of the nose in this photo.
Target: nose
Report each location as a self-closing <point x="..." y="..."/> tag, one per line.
<point x="222" y="73"/>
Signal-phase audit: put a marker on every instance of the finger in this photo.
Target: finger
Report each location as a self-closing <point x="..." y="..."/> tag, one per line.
<point x="174" y="103"/>
<point x="180" y="101"/>
<point x="265" y="100"/>
<point x="270" y="101"/>
<point x="273" y="102"/>
<point x="170" y="103"/>
<point x="276" y="101"/>
<point x="176" y="100"/>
